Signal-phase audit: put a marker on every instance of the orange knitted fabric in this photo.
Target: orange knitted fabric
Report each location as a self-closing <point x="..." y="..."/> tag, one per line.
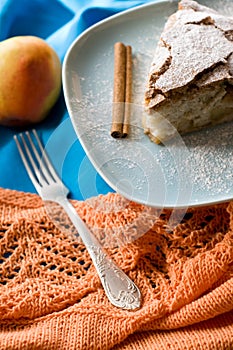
<point x="51" y="296"/>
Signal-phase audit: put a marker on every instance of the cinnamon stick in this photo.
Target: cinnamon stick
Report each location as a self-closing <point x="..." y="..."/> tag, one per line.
<point x="118" y="89"/>
<point x="121" y="90"/>
<point x="128" y="91"/>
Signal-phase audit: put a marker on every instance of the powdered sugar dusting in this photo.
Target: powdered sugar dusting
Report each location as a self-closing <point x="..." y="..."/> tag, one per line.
<point x="212" y="159"/>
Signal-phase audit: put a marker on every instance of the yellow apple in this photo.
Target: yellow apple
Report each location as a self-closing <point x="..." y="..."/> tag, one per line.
<point x="30" y="80"/>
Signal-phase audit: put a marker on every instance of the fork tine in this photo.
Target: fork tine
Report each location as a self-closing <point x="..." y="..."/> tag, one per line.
<point x="45" y="158"/>
<point x="26" y="164"/>
<point x="43" y="167"/>
<point x="37" y="156"/>
<point x="38" y="170"/>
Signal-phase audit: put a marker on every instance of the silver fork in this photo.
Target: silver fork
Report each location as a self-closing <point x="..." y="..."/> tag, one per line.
<point x="119" y="288"/>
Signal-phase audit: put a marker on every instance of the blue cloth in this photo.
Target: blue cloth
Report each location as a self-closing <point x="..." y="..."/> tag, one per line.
<point x="59" y="22"/>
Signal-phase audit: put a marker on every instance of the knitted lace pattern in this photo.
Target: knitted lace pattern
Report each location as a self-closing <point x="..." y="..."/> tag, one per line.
<point x="51" y="296"/>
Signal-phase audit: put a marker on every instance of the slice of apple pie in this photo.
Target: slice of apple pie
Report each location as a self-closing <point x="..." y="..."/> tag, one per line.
<point x="190" y="83"/>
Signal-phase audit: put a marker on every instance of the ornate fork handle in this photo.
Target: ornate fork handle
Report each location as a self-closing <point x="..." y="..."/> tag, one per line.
<point x="120" y="289"/>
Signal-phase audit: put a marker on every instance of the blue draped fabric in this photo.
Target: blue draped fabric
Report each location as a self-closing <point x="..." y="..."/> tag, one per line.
<point x="59" y="22"/>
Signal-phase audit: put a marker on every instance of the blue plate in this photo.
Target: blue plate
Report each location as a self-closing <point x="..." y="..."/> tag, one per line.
<point x="193" y="170"/>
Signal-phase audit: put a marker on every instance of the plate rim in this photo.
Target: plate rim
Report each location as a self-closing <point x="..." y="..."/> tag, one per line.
<point x="110" y="19"/>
